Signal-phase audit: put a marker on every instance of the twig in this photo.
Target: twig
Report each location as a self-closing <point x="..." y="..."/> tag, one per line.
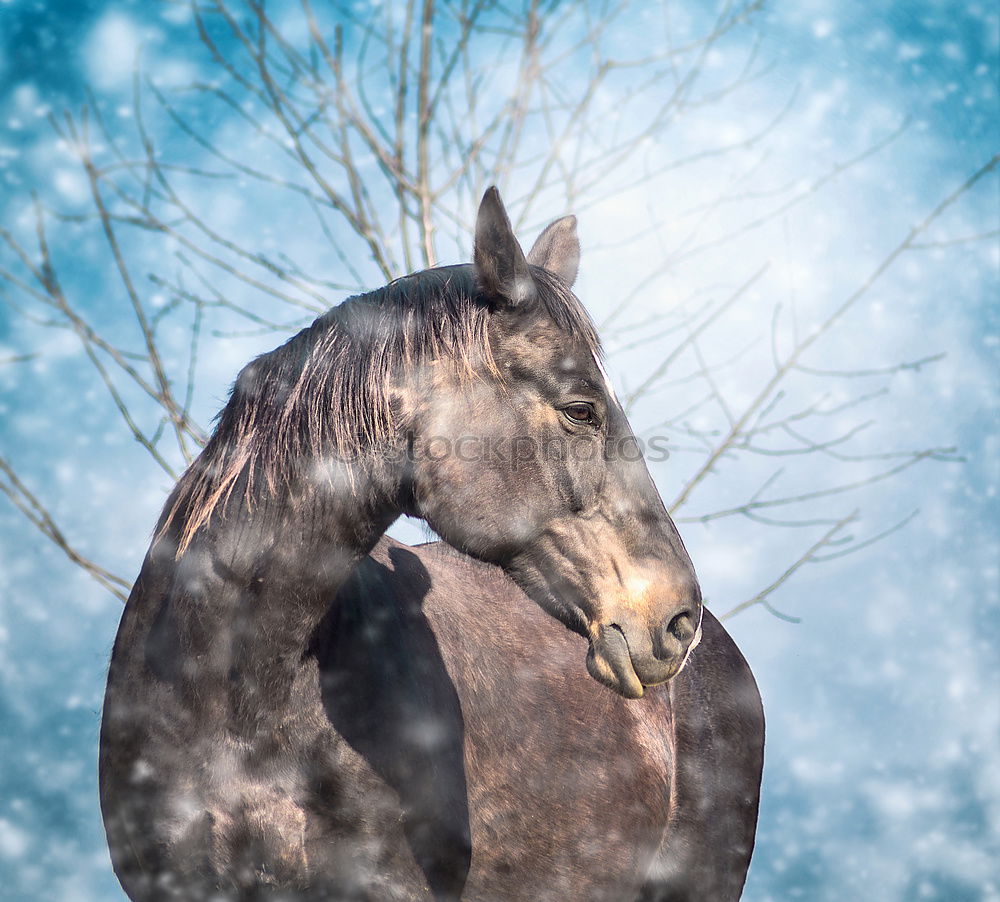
<point x="26" y="502"/>
<point x="761" y="597"/>
<point x="793" y="359"/>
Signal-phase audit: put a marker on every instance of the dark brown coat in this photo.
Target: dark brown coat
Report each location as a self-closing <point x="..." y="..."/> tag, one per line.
<point x="446" y="742"/>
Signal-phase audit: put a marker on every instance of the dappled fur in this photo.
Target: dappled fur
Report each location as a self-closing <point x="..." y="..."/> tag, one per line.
<point x="453" y="754"/>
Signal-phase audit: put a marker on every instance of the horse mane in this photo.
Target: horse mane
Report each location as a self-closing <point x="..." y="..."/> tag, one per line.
<point x="325" y="390"/>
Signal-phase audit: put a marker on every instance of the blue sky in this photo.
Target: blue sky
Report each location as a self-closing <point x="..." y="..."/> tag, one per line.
<point x="882" y="779"/>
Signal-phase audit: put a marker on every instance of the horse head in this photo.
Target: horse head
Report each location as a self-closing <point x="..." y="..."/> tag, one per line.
<point x="531" y="464"/>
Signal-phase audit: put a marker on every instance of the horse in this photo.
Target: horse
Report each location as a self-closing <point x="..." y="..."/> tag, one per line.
<point x="300" y="708"/>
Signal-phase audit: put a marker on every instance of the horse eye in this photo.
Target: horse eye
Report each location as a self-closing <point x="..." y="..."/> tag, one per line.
<point x="581" y="414"/>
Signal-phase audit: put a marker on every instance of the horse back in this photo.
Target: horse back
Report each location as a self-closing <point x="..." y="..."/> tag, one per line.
<point x="653" y="799"/>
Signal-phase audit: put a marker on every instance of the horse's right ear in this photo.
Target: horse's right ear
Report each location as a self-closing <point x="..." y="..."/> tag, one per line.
<point x="500" y="263"/>
<point x="558" y="250"/>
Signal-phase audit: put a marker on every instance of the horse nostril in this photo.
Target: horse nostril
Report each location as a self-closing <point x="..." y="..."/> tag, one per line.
<point x="682" y="627"/>
<point x="674" y="636"/>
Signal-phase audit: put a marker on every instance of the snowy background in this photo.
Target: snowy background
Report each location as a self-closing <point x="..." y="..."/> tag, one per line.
<point x="882" y="776"/>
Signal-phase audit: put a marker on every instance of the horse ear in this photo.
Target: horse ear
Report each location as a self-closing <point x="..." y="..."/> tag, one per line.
<point x="500" y="263"/>
<point x="558" y="249"/>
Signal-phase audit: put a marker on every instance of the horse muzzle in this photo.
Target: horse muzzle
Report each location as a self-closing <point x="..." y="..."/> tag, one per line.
<point x="628" y="657"/>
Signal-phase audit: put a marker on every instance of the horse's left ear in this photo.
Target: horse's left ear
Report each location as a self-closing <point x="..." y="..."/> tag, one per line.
<point x="558" y="249"/>
<point x="500" y="263"/>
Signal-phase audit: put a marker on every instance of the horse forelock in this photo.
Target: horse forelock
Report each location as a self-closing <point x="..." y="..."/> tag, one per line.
<point x="326" y="391"/>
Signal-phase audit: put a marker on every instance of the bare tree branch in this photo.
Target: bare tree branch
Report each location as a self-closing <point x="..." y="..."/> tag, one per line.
<point x="380" y="127"/>
<point x="29" y="505"/>
<point x="793" y="359"/>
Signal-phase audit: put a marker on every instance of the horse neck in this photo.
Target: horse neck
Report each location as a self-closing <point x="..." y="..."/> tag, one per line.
<point x="257" y="581"/>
